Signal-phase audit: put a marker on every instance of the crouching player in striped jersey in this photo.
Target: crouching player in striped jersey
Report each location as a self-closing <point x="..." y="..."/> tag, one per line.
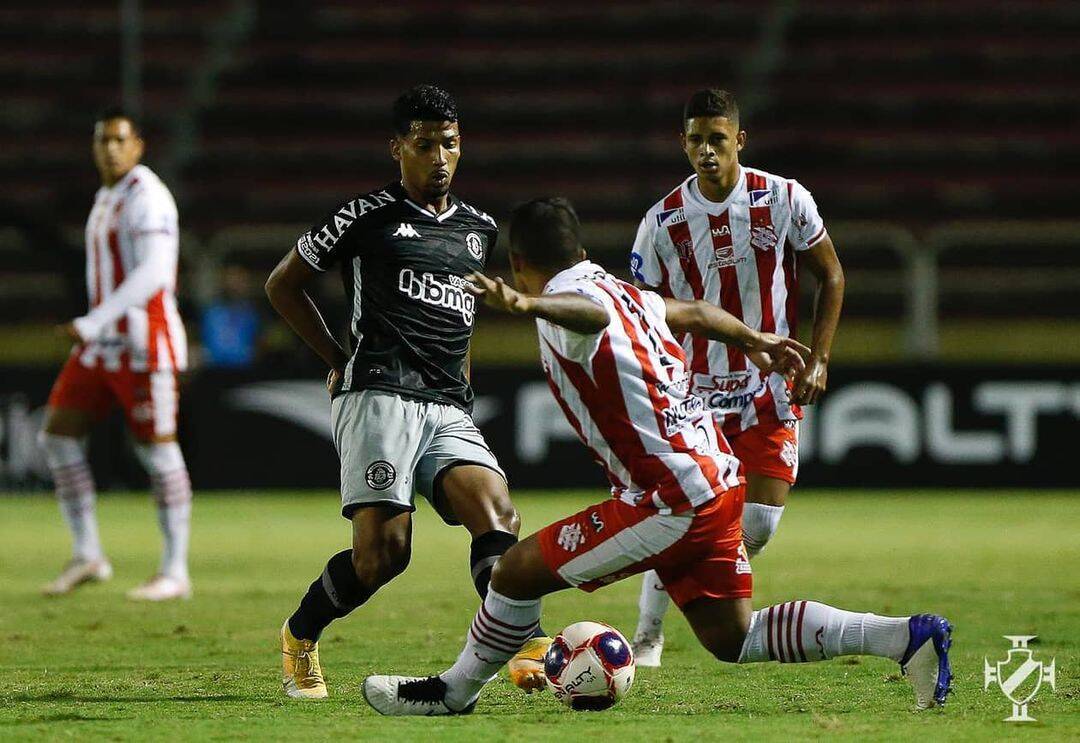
<point x="128" y="350"/>
<point x="621" y="379"/>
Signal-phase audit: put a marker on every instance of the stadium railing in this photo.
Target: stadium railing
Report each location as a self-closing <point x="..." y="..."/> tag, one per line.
<point x="983" y="270"/>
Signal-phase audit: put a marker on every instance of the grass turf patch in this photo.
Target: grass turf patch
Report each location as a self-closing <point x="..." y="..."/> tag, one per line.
<point x="93" y="665"/>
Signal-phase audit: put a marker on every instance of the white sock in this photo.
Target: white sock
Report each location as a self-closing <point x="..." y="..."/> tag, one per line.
<point x="66" y="458"/>
<point x="805" y="631"/>
<point x="652" y="604"/>
<point x="172" y="491"/>
<point x="499" y="629"/>
<point x="759" y="523"/>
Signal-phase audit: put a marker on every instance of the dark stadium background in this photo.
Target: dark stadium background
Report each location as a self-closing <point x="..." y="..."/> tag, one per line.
<point x="941" y="141"/>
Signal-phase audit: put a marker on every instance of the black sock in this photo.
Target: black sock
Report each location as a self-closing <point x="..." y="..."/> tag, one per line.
<point x="486" y="549"/>
<point x="331" y="596"/>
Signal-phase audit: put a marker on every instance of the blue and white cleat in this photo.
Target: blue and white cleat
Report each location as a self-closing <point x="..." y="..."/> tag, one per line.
<point x="399" y="696"/>
<point x="926" y="660"/>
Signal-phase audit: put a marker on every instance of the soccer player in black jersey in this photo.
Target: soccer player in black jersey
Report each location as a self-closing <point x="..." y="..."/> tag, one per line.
<point x="401" y="399"/>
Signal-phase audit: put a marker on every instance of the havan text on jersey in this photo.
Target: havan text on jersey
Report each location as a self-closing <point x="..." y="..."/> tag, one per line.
<point x="401" y="268"/>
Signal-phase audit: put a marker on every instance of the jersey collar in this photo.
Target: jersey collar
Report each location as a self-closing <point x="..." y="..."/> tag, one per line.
<point x="450" y="210"/>
<point x="124" y="182"/>
<point x="576" y="271"/>
<point x="694" y="195"/>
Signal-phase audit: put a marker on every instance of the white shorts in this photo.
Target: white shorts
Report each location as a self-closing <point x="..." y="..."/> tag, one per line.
<point x="392" y="447"/>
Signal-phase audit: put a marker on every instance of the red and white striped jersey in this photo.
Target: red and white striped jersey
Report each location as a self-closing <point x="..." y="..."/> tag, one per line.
<point x="740" y="256"/>
<point x="132" y="249"/>
<point x="624" y="391"/>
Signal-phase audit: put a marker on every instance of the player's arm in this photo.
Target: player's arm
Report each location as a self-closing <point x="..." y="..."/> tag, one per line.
<point x="287" y="289"/>
<point x="822" y="261"/>
<point x="644" y="258"/>
<point x="158" y="251"/>
<point x="768" y="351"/>
<point x="571" y="311"/>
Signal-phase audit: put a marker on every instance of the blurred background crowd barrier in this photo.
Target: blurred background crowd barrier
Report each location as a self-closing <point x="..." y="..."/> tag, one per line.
<point x="940" y="139"/>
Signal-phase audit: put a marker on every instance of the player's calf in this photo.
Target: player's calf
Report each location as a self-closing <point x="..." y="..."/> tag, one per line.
<point x="171" y="486"/>
<point x="66" y="458"/>
<point x="808" y="631"/>
<point x="334" y="594"/>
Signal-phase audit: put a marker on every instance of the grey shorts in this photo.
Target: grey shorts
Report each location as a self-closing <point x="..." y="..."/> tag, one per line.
<point x="391" y="448"/>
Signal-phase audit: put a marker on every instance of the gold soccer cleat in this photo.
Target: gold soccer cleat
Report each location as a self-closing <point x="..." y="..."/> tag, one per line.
<point x="527" y="667"/>
<point x="301" y="674"/>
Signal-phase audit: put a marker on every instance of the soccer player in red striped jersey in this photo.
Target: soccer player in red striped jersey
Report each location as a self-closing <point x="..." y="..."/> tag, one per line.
<point x="621" y="379"/>
<point x="129" y="348"/>
<point x="733" y="236"/>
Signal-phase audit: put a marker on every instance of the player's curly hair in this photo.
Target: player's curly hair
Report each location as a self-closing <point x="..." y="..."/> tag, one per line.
<point x="546" y="232"/>
<point x="711" y="102"/>
<point x="423" y="103"/>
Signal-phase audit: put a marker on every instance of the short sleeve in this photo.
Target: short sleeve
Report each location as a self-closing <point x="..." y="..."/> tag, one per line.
<point x="492" y="234"/>
<point x="655" y="303"/>
<point x="321" y="246"/>
<point x="568" y="343"/>
<point x="807" y="227"/>
<point x="644" y="260"/>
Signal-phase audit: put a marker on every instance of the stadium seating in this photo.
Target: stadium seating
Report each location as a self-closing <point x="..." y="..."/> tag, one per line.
<point x="912" y="113"/>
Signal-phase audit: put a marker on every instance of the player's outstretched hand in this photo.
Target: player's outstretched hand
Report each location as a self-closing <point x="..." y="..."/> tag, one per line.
<point x="497" y="294"/>
<point x="775" y="353"/>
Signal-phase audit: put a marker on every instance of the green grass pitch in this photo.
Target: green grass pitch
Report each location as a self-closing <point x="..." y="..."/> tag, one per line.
<point x="95" y="667"/>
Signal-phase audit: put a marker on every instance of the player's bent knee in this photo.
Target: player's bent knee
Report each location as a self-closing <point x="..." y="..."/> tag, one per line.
<point x="506" y="516"/>
<point x="727" y="654"/>
<point x="66" y="422"/>
<point x="725" y="642"/>
<point x="377" y="567"/>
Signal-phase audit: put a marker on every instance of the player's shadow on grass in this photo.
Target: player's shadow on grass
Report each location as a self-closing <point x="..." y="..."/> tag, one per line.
<point x="65" y="717"/>
<point x="67" y="696"/>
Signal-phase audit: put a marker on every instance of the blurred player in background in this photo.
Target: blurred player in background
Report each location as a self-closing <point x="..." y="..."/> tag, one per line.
<point x="128" y="351"/>
<point x="677" y="494"/>
<point x="401" y="398"/>
<point x="730" y="235"/>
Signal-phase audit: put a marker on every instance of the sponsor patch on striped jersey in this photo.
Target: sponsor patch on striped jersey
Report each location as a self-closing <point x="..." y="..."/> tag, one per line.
<point x="669" y="217"/>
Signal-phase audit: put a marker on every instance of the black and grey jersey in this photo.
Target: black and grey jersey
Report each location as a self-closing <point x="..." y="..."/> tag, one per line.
<point x="403" y="267"/>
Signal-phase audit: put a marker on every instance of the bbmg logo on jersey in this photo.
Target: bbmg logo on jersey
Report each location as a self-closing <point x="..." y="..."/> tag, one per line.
<point x="451" y="295"/>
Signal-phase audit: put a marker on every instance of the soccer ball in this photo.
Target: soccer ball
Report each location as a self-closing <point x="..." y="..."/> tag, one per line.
<point x="589" y="666"/>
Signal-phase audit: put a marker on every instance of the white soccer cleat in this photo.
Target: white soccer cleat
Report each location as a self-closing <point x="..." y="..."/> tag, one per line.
<point x="161" y="588"/>
<point x="926" y="660"/>
<point x="400" y="696"/>
<point x="77" y="572"/>
<point x="647" y="648"/>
